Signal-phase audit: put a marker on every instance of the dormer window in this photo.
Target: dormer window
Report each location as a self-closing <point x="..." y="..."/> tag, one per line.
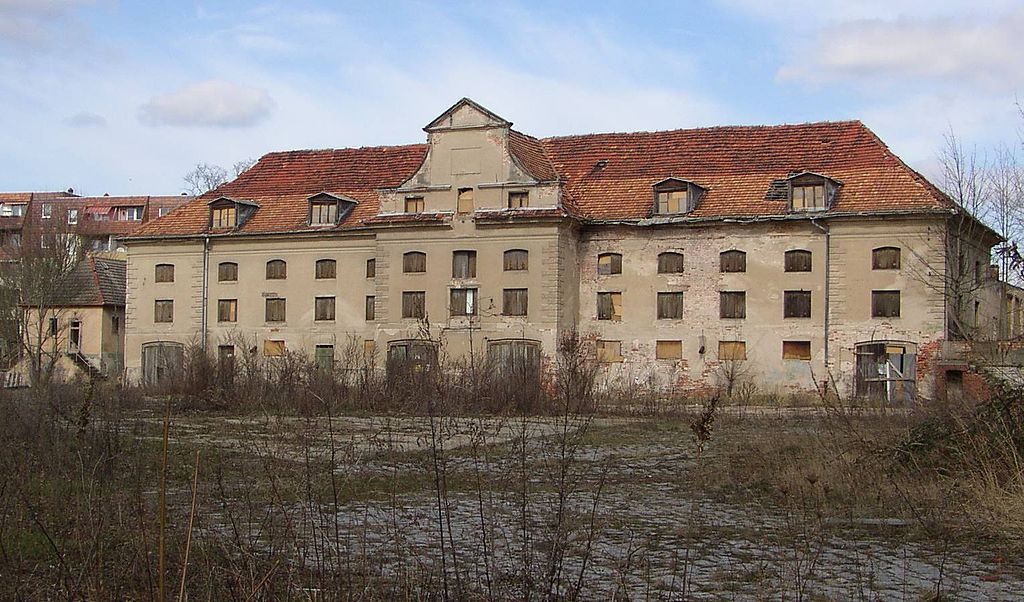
<point x="223" y="217"/>
<point x="811" y="192"/>
<point x="230" y="213"/>
<point x="326" y="209"/>
<point x="323" y="213"/>
<point x="675" y="196"/>
<point x="518" y="199"/>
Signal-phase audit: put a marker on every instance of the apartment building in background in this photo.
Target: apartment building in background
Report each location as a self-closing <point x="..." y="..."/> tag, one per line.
<point x="785" y="255"/>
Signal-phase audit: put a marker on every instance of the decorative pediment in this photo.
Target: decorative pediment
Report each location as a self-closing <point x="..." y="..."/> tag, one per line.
<point x="467" y="114"/>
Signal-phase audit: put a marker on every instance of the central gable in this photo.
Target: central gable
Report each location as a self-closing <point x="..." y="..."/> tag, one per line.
<point x="466" y="114"/>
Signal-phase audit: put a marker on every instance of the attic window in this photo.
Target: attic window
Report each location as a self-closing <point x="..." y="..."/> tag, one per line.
<point x="223" y="217"/>
<point x="323" y="213"/>
<point x="674" y="196"/>
<point x="810" y="192"/>
<point x="226" y="212"/>
<point x="326" y="209"/>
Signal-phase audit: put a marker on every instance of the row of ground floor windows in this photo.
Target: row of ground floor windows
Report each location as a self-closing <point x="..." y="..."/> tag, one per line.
<point x="609" y="351"/>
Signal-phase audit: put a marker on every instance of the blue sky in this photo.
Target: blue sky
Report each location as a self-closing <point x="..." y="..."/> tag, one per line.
<point x="125" y="97"/>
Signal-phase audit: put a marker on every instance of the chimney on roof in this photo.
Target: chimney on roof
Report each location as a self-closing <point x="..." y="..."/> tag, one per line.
<point x="106" y="194"/>
<point x="71" y="191"/>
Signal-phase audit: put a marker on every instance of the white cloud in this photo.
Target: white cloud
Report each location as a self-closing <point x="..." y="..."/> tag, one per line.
<point x="215" y="103"/>
<point x="86" y="119"/>
<point x="30" y="25"/>
<point x="802" y="14"/>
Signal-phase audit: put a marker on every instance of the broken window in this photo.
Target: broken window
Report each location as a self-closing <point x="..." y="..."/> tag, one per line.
<point x="514" y="302"/>
<point x="414" y="204"/>
<point x="227" y="272"/>
<point x="796" y="304"/>
<point x="609" y="351"/>
<point x="414" y="304"/>
<point x="371" y="268"/>
<point x="414" y="262"/>
<point x="670" y="306"/>
<point x="164" y="272"/>
<point x="74" y="335"/>
<point x="277" y="269"/>
<point x="464" y="264"/>
<point x="221" y="217"/>
<point x="463" y="302"/>
<point x="273" y="348"/>
<point x="668" y="350"/>
<point x="796" y="350"/>
<point x="323" y="309"/>
<point x="732" y="350"/>
<point x="115" y="324"/>
<point x="732" y="304"/>
<point x="885" y="304"/>
<point x="275" y="310"/>
<point x="465" y="201"/>
<point x="676" y="196"/>
<point x="227" y="310"/>
<point x="670" y="263"/>
<point x="517" y="260"/>
<point x="72" y="217"/>
<point x="53" y="327"/>
<point x="886" y="370"/>
<point x="885" y="258"/>
<point x="517" y="360"/>
<point x="798" y="261"/>
<point x="518" y="200"/>
<point x="371" y="308"/>
<point x="808" y="195"/>
<point x="323" y="213"/>
<point x="609" y="263"/>
<point x="326" y="269"/>
<point x="323" y="355"/>
<point x="732" y="261"/>
<point x="609" y="306"/>
<point x="163" y="310"/>
<point x="411" y="357"/>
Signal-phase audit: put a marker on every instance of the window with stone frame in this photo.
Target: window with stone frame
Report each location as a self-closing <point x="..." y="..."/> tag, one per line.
<point x="371" y="268"/>
<point x="609" y="263"/>
<point x="516" y="260"/>
<point x="464" y="264"/>
<point x="227" y="310"/>
<point x="164" y="272"/>
<point x="275" y="310"/>
<point x="732" y="261"/>
<point x="732" y="350"/>
<point x="227" y="271"/>
<point x="885" y="258"/>
<point x="796" y="304"/>
<point x="414" y="204"/>
<point x="277" y="269"/>
<point x="670" y="263"/>
<point x="371" y="308"/>
<point x="514" y="302"/>
<point x="670" y="306"/>
<point x="414" y="304"/>
<point x="323" y="309"/>
<point x="518" y="199"/>
<point x="462" y="301"/>
<point x="609" y="306"/>
<point x="163" y="310"/>
<point x="885" y="304"/>
<point x="414" y="262"/>
<point x="326" y="269"/>
<point x="798" y="260"/>
<point x="732" y="304"/>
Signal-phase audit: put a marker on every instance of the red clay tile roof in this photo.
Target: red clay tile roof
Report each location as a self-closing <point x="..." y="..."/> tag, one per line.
<point x="24" y="197"/>
<point x="605" y="176"/>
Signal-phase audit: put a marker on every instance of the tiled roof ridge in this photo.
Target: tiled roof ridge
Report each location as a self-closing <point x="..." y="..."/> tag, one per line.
<point x="301" y="151"/>
<point x="711" y="128"/>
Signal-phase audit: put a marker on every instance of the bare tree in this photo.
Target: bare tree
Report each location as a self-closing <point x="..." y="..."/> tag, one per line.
<point x="242" y="166"/>
<point x="204" y="178"/>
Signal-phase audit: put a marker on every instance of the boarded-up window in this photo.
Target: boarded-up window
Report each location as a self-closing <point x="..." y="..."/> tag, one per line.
<point x="798" y="261"/>
<point x="732" y="304"/>
<point x="885" y="304"/>
<point x="414" y="204"/>
<point x="371" y="268"/>
<point x="609" y="263"/>
<point x="732" y="261"/>
<point x="514" y="302"/>
<point x="465" y="203"/>
<point x="609" y="351"/>
<point x="223" y="217"/>
<point x="323" y="213"/>
<point x="323" y="309"/>
<point x="411" y="357"/>
<point x="414" y="304"/>
<point x="164" y="272"/>
<point x="464" y="264"/>
<point x="369" y="349"/>
<point x="324" y="357"/>
<point x="796" y="350"/>
<point x="414" y="261"/>
<point x="609" y="306"/>
<point x="796" y="304"/>
<point x="673" y="201"/>
<point x="463" y="302"/>
<point x="227" y="272"/>
<point x="518" y="200"/>
<point x="371" y="308"/>
<point x="277" y="269"/>
<point x="669" y="350"/>
<point x="162" y="362"/>
<point x="227" y="310"/>
<point x="326" y="268"/>
<point x="517" y="260"/>
<point x="670" y="306"/>
<point x="670" y="263"/>
<point x="806" y="197"/>
<point x="732" y="350"/>
<point x="163" y="310"/>
<point x="273" y="348"/>
<point x="885" y="258"/>
<point x="275" y="311"/>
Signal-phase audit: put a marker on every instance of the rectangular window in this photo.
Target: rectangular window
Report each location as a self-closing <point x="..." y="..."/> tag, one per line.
<point x="414" y="304"/>
<point x="670" y="263"/>
<point x="323" y="309"/>
<point x="163" y="310"/>
<point x="670" y="306"/>
<point x="732" y="304"/>
<point x="369" y="349"/>
<point x="609" y="351"/>
<point x="609" y="306"/>
<point x="164" y="272"/>
<point x="277" y="269"/>
<point x="886" y="258"/>
<point x="133" y="214"/>
<point x="798" y="261"/>
<point x="323" y="213"/>
<point x="53" y="327"/>
<point x="227" y="272"/>
<point x="273" y="348"/>
<point x="72" y="217"/>
<point x="414" y="204"/>
<point x="74" y="335"/>
<point x="115" y="324"/>
<point x="223" y="217"/>
<point x="885" y="304"/>
<point x="326" y="269"/>
<point x="518" y="200"/>
<point x="514" y="302"/>
<point x="609" y="263"/>
<point x="17" y="210"/>
<point x="732" y="350"/>
<point x="465" y="204"/>
<point x="809" y="197"/>
<point x="796" y="304"/>
<point x="324" y="357"/>
<point x="463" y="302"/>
<point x="464" y="264"/>
<point x="517" y="260"/>
<point x="796" y="350"/>
<point x="47" y="211"/>
<point x="371" y="308"/>
<point x="669" y="350"/>
<point x="414" y="262"/>
<point x="732" y="261"/>
<point x="672" y="201"/>
<point x="275" y="310"/>
<point x="226" y="361"/>
<point x="162" y="211"/>
<point x="227" y="310"/>
<point x="371" y="268"/>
